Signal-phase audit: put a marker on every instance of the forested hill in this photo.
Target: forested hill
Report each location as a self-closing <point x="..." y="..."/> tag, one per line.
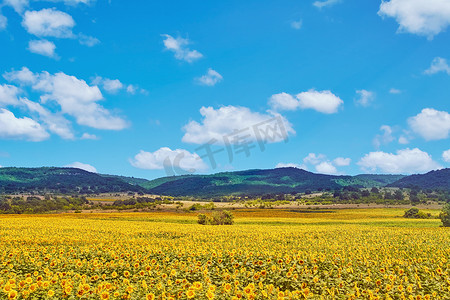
<point x="279" y="180"/>
<point x="250" y="182"/>
<point x="60" y="180"/>
<point x="439" y="179"/>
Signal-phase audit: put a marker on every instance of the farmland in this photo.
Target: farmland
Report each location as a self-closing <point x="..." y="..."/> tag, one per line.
<point x="266" y="254"/>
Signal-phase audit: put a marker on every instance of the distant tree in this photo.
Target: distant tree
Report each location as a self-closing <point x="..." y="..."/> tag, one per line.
<point x="375" y="190"/>
<point x="365" y="193"/>
<point x="445" y="215"/>
<point x="398" y="195"/>
<point x="388" y="195"/>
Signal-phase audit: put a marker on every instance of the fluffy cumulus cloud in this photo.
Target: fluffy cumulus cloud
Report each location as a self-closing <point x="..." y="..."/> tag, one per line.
<point x="314" y="159"/>
<point x="342" y="161"/>
<point x="326" y="167"/>
<point x="283" y="101"/>
<point x="365" y="98"/>
<point x="211" y="78"/>
<point x="385" y="138"/>
<point x="113" y="86"/>
<point x="8" y="95"/>
<point x="53" y="122"/>
<point x="325" y="3"/>
<point x="320" y="163"/>
<point x="322" y="101"/>
<point x="165" y="157"/>
<point x="438" y="64"/>
<point x="18" y="5"/>
<point x="24" y="128"/>
<point x="421" y="17"/>
<point x="446" y="155"/>
<point x="49" y="22"/>
<point x="403" y="161"/>
<point x="82" y="166"/>
<point x="234" y="124"/>
<point x="42" y="47"/>
<point x="179" y="47"/>
<point x="74" y="96"/>
<point x="431" y="124"/>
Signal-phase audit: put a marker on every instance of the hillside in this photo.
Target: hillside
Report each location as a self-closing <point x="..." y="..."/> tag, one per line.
<point x="280" y="180"/>
<point x="439" y="179"/>
<point x="61" y="180"/>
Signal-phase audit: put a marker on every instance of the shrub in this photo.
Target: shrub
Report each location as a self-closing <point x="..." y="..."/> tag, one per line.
<point x="223" y="217"/>
<point x="415" y="213"/>
<point x="445" y="215"/>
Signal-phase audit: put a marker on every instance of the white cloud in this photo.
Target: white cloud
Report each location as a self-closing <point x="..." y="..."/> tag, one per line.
<point x="403" y="140"/>
<point x="290" y="165"/>
<point x="42" y="47"/>
<point x="404" y="161"/>
<point x="210" y="78"/>
<point x="446" y="155"/>
<point x="314" y="159"/>
<point x="23" y="76"/>
<point x="384" y="138"/>
<point x="167" y="158"/>
<point x="283" y="101"/>
<point x="326" y="168"/>
<point x="297" y="24"/>
<point x="322" y="101"/>
<point x="221" y="124"/>
<point x="438" y="64"/>
<point x="75" y="97"/>
<point x="18" y="5"/>
<point x="365" y="97"/>
<point x="3" y="22"/>
<point x="49" y="22"/>
<point x="431" y="124"/>
<point x="179" y="47"/>
<point x="20" y="128"/>
<point x="82" y="166"/>
<point x="55" y="123"/>
<point x="321" y="4"/>
<point x="395" y="91"/>
<point x="8" y="95"/>
<point x="109" y="85"/>
<point x="341" y="161"/>
<point x="87" y="40"/>
<point x="88" y="136"/>
<point x="421" y="17"/>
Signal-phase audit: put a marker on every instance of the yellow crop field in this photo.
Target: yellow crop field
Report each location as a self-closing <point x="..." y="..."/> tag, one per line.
<point x="266" y="254"/>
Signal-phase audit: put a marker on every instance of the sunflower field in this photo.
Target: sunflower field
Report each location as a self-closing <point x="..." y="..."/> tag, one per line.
<point x="267" y="254"/>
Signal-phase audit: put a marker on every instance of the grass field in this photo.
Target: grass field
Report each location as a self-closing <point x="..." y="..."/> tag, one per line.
<point x="267" y="254"/>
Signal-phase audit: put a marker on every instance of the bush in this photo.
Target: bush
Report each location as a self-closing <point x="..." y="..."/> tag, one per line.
<point x="445" y="215"/>
<point x="415" y="213"/>
<point x="224" y="217"/>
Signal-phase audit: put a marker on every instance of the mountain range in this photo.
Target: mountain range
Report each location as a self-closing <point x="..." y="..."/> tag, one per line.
<point x="249" y="182"/>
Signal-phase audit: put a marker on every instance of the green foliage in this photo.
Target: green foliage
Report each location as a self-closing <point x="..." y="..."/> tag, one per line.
<point x="261" y="182"/>
<point x="60" y="180"/>
<point x="415" y="213"/>
<point x="223" y="217"/>
<point x="445" y="215"/>
<point x="439" y="179"/>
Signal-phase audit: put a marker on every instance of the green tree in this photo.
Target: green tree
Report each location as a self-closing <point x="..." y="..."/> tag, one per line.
<point x="445" y="215"/>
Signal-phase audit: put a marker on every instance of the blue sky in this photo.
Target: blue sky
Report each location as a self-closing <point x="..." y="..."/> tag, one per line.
<point x="144" y="88"/>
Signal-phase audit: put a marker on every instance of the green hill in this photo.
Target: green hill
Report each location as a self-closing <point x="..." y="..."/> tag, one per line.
<point x="439" y="179"/>
<point x="60" y="180"/>
<point x="280" y="180"/>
